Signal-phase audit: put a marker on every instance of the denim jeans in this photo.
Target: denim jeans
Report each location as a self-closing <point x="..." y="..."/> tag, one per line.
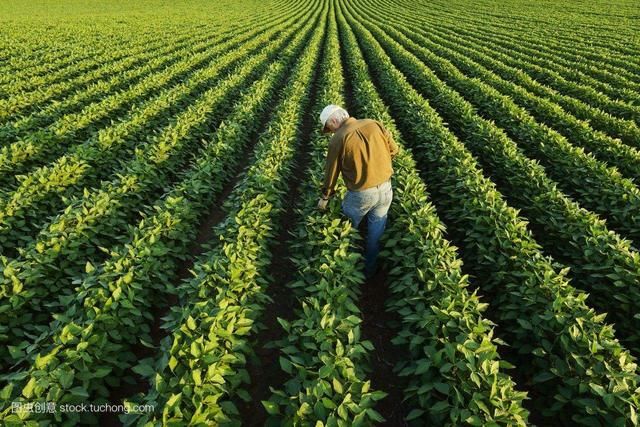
<point x="373" y="203"/>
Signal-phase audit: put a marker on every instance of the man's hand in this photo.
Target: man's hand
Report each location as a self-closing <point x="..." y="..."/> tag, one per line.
<point x="322" y="204"/>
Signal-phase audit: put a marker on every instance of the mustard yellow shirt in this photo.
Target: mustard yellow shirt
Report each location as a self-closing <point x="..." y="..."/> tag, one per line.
<point x="362" y="151"/>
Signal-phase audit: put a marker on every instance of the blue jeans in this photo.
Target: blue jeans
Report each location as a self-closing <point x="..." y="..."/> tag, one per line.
<point x="373" y="203"/>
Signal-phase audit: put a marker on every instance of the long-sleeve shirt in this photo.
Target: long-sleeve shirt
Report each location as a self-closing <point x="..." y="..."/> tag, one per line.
<point x="362" y="151"/>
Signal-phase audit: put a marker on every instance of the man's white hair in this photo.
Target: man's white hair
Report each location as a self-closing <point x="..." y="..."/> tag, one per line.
<point x="340" y="115"/>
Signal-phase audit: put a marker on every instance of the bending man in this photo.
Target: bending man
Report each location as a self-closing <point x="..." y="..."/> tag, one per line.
<point x="362" y="151"/>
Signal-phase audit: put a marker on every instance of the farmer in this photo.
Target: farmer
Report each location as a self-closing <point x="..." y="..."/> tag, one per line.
<point x="362" y="151"/>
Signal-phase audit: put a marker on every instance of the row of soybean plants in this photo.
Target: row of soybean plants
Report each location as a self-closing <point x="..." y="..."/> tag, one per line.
<point x="545" y="72"/>
<point x="25" y="60"/>
<point x="323" y="356"/>
<point x="51" y="66"/>
<point x="605" y="148"/>
<point x="29" y="142"/>
<point x="622" y="59"/>
<point x="37" y="146"/>
<point x="50" y="265"/>
<point x="47" y="113"/>
<point x="455" y="373"/>
<point x="111" y="314"/>
<point x="605" y="76"/>
<point x="627" y="131"/>
<point x="570" y="79"/>
<point x="22" y="103"/>
<point x="581" y="56"/>
<point x="563" y="349"/>
<point x="71" y="50"/>
<point x="616" y="82"/>
<point x="611" y="150"/>
<point x="594" y="50"/>
<point x="614" y="44"/>
<point x="25" y="210"/>
<point x="596" y="186"/>
<point x="599" y="259"/>
<point x="199" y="43"/>
<point x="200" y="373"/>
<point x="24" y="95"/>
<point x="505" y="24"/>
<point x="613" y="80"/>
<point x="80" y="53"/>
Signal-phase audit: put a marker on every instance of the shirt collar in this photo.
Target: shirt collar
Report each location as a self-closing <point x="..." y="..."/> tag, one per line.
<point x="346" y="123"/>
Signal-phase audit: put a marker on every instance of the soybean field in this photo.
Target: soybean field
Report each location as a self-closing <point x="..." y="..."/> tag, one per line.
<point x="162" y="257"/>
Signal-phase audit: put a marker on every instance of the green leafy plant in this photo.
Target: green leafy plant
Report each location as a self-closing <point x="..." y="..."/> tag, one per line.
<point x="567" y="344"/>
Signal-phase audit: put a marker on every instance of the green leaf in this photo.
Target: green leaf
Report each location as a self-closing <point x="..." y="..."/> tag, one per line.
<point x="15" y="351"/>
<point x="102" y="372"/>
<point x="216" y="378"/>
<point x="242" y="394"/>
<point x="88" y="268"/>
<point x="337" y="386"/>
<point x="128" y="278"/>
<point x="415" y="413"/>
<point x="27" y="391"/>
<point x="196" y="374"/>
<point x="286" y="365"/>
<point x="325" y="371"/>
<point x="375" y="415"/>
<point x="440" y="406"/>
<point x="358" y="420"/>
<point x="423" y="366"/>
<point x="17" y="285"/>
<point x="342" y="412"/>
<point x="79" y="391"/>
<point x="446" y="367"/>
<point x="173" y="400"/>
<point x="378" y="395"/>
<point x="195" y="350"/>
<point x="539" y="351"/>
<point x="191" y="323"/>
<point x="609" y="400"/>
<point x="474" y="420"/>
<point x="146" y="344"/>
<point x="525" y="324"/>
<point x="5" y="394"/>
<point x="442" y="387"/>
<point x="272" y="408"/>
<point x="598" y="389"/>
<point x="41" y="362"/>
<point x="542" y="377"/>
<point x="328" y="403"/>
<point x="66" y="378"/>
<point x="475" y="378"/>
<point x="144" y="370"/>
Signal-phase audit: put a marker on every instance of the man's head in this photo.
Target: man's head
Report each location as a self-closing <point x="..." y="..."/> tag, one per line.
<point x="332" y="117"/>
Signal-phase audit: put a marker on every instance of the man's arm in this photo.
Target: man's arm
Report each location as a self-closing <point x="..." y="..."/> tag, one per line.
<point x="393" y="147"/>
<point x="391" y="144"/>
<point x="332" y="168"/>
